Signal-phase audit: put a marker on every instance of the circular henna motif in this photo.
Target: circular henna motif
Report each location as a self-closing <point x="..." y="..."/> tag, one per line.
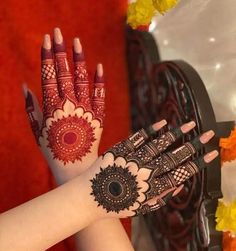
<point x="70" y="138"/>
<point x="115" y="188"/>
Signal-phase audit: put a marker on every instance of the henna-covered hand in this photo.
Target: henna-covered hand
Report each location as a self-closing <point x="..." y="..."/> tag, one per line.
<point x="140" y="174"/>
<point x="69" y="129"/>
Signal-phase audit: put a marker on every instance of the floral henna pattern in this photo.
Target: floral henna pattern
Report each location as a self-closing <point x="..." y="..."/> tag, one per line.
<point x="128" y="182"/>
<point x="70" y="138"/>
<point x="71" y="125"/>
<point x="115" y="188"/>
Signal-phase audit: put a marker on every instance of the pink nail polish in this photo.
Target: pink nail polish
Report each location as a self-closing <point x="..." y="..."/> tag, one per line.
<point x="205" y="137"/>
<point x="188" y="126"/>
<point x="157" y="126"/>
<point x="211" y="156"/>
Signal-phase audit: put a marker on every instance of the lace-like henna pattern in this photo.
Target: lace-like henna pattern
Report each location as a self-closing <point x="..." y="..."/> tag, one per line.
<point x="158" y="185"/>
<point x="170" y="160"/>
<point x="70" y="138"/>
<point x="82" y="84"/>
<point x="66" y="87"/>
<point x="30" y="112"/>
<point x="115" y="188"/>
<point x="146" y="153"/>
<point x="98" y="100"/>
<point x="133" y="142"/>
<point x="149" y="208"/>
<point x="49" y="87"/>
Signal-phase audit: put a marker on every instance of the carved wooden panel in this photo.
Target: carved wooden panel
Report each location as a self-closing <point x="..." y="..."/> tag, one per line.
<point x="173" y="90"/>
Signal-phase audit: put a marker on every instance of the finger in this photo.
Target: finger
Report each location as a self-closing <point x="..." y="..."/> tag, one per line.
<point x="80" y="75"/>
<point x="33" y="111"/>
<point x="179" y="175"/>
<point x="98" y="99"/>
<point x="170" y="160"/>
<point x="153" y="148"/>
<point x="64" y="77"/>
<point x="48" y="73"/>
<point x="154" y="204"/>
<point x="134" y="141"/>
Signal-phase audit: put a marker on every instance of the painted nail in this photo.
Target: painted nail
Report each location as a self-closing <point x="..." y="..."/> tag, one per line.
<point x="77" y="45"/>
<point x="99" y="78"/>
<point x="58" y="36"/>
<point x="210" y="156"/>
<point x="25" y="90"/>
<point x="167" y="197"/>
<point x="178" y="190"/>
<point x="205" y="137"/>
<point x="47" y="42"/>
<point x="188" y="126"/>
<point x="46" y="52"/>
<point x="59" y="45"/>
<point x="157" y="126"/>
<point x="29" y="104"/>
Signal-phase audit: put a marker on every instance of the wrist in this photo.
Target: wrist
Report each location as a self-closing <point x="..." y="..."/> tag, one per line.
<point x="82" y="199"/>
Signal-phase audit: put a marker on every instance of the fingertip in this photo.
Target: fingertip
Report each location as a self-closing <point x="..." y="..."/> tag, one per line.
<point x="77" y="45"/>
<point x="205" y="137"/>
<point x="99" y="77"/>
<point x="210" y="156"/>
<point x="25" y="90"/>
<point x="58" y="38"/>
<point x="187" y="126"/>
<point x="158" y="125"/>
<point x="99" y="70"/>
<point x="47" y="42"/>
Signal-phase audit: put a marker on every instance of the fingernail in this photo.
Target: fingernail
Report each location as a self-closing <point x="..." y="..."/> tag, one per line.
<point x="210" y="156"/>
<point x="58" y="36"/>
<point x="29" y="101"/>
<point x="205" y="137"/>
<point x="157" y="126"/>
<point x="47" y="42"/>
<point x="25" y="90"/>
<point x="188" y="126"/>
<point x="99" y="78"/>
<point x="178" y="190"/>
<point x="46" y="52"/>
<point x="167" y="197"/>
<point x="59" y="45"/>
<point x="77" y="45"/>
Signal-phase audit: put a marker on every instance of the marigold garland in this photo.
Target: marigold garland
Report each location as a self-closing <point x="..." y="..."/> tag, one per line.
<point x="226" y="213"/>
<point x="141" y="12"/>
<point x="226" y="217"/>
<point x="164" y="5"/>
<point x="228" y="147"/>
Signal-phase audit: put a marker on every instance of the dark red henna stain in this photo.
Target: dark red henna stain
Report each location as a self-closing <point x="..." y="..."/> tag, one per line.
<point x="70" y="138"/>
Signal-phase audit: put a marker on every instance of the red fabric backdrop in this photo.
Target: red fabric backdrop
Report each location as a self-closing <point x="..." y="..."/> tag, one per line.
<point x="100" y="25"/>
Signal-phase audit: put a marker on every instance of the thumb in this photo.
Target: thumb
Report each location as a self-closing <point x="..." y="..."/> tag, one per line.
<point x="33" y="111"/>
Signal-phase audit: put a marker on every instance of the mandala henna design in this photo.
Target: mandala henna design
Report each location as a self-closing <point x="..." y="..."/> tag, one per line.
<point x="70" y="138"/>
<point x="115" y="188"/>
<point x="120" y="177"/>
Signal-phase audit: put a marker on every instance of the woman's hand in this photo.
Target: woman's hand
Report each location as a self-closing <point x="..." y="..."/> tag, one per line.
<point x="140" y="174"/>
<point x="69" y="129"/>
